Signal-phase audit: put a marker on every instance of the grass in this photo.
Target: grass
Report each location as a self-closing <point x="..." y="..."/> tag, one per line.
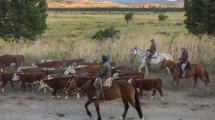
<point x="68" y="36"/>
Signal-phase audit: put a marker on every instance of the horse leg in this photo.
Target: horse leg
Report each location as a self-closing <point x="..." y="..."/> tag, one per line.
<point x="177" y="82"/>
<point x="204" y="80"/>
<point x="195" y="80"/>
<point x="147" y="72"/>
<point x="135" y="102"/>
<point x="96" y="103"/>
<point x="86" y="107"/>
<point x="126" y="108"/>
<point x="173" y="81"/>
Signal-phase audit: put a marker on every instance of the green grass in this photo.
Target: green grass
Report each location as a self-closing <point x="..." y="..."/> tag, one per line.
<point x="69" y="36"/>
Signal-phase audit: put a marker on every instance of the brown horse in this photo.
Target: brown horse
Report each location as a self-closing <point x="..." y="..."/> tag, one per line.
<point x="196" y="70"/>
<point x="122" y="89"/>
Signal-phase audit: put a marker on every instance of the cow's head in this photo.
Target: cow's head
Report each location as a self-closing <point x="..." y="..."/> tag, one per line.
<point x="15" y="77"/>
<point x="70" y="69"/>
<point x="42" y="85"/>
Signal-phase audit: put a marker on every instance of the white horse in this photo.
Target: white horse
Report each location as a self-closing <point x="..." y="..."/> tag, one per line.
<point x="143" y="55"/>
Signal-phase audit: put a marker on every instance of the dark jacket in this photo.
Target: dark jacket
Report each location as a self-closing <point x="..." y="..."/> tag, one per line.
<point x="152" y="48"/>
<point x="105" y="71"/>
<point x="184" y="57"/>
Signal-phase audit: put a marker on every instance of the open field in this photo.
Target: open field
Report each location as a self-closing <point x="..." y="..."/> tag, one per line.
<point x="69" y="36"/>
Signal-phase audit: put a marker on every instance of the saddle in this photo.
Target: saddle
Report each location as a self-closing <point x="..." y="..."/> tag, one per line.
<point x="154" y="56"/>
<point x="187" y="67"/>
<point x="107" y="83"/>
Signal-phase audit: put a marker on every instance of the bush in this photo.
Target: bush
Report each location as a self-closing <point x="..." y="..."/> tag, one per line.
<point x="107" y="33"/>
<point x="128" y="17"/>
<point x="162" y="17"/>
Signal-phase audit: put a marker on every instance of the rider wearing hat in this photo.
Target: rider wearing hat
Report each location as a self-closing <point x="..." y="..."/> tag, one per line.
<point x="183" y="60"/>
<point x="104" y="73"/>
<point x="151" y="51"/>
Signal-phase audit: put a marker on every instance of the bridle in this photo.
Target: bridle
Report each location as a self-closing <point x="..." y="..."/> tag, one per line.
<point x="79" y="88"/>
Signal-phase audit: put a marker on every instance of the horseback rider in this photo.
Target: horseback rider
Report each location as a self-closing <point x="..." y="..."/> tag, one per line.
<point x="100" y="78"/>
<point x="183" y="60"/>
<point x="151" y="51"/>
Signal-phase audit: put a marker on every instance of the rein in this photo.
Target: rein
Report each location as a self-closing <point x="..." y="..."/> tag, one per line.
<point x="81" y="88"/>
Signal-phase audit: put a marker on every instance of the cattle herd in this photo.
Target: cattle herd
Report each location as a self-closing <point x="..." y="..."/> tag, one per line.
<point x="54" y="74"/>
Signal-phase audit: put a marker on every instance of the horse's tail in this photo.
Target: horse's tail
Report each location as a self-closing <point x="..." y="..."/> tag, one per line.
<point x="137" y="102"/>
<point x="206" y="75"/>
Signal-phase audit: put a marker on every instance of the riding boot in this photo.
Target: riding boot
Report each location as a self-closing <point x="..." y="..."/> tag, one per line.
<point x="97" y="94"/>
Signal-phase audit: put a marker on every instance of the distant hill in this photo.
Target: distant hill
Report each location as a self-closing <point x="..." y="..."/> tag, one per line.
<point x="113" y="3"/>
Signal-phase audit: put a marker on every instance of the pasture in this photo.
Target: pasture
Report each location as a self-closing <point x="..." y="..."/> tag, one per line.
<point x="69" y="36"/>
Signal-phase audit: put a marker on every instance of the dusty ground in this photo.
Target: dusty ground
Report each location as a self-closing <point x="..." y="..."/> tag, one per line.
<point x="185" y="103"/>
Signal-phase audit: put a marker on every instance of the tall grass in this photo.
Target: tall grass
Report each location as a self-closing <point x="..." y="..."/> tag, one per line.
<point x="58" y="42"/>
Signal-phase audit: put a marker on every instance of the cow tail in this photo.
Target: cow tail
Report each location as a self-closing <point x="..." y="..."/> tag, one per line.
<point x="137" y="102"/>
<point x="206" y="75"/>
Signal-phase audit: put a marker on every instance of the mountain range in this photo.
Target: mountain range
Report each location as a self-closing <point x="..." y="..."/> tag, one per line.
<point x="113" y="3"/>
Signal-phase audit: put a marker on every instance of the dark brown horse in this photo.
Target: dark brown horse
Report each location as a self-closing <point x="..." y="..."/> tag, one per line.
<point x="120" y="88"/>
<point x="196" y="70"/>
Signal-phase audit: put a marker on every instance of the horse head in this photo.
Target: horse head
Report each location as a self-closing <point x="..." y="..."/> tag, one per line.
<point x="133" y="51"/>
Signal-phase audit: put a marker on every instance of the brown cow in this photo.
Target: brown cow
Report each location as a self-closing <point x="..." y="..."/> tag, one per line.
<point x="52" y="64"/>
<point x="148" y="85"/>
<point x="28" y="78"/>
<point x="4" y="78"/>
<point x="72" y="61"/>
<point x="9" y="60"/>
<point x="55" y="84"/>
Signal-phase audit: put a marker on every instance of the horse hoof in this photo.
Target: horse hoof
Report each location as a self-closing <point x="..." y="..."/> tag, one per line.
<point x="91" y="116"/>
<point x="52" y="97"/>
<point x="58" y="96"/>
<point x="152" y="97"/>
<point x="121" y="118"/>
<point x="66" y="97"/>
<point x="162" y="99"/>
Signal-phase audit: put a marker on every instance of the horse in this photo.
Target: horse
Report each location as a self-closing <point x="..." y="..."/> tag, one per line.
<point x="196" y="70"/>
<point x="143" y="55"/>
<point x="120" y="88"/>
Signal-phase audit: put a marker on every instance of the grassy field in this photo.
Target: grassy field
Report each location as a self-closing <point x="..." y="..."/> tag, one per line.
<point x="69" y="36"/>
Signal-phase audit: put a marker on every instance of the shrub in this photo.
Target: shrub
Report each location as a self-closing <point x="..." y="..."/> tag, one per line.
<point x="107" y="33"/>
<point x="162" y="17"/>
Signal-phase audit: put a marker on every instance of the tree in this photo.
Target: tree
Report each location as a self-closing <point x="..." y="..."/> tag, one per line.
<point x="129" y="16"/>
<point x="162" y="17"/>
<point x="22" y="18"/>
<point x="200" y="16"/>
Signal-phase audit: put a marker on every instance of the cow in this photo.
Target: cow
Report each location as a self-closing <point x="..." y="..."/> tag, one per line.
<point x="31" y="69"/>
<point x="52" y="64"/>
<point x="10" y="60"/>
<point x="4" y="78"/>
<point x="28" y="78"/>
<point x="89" y="69"/>
<point x="72" y="61"/>
<point x="55" y="84"/>
<point x="148" y="85"/>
